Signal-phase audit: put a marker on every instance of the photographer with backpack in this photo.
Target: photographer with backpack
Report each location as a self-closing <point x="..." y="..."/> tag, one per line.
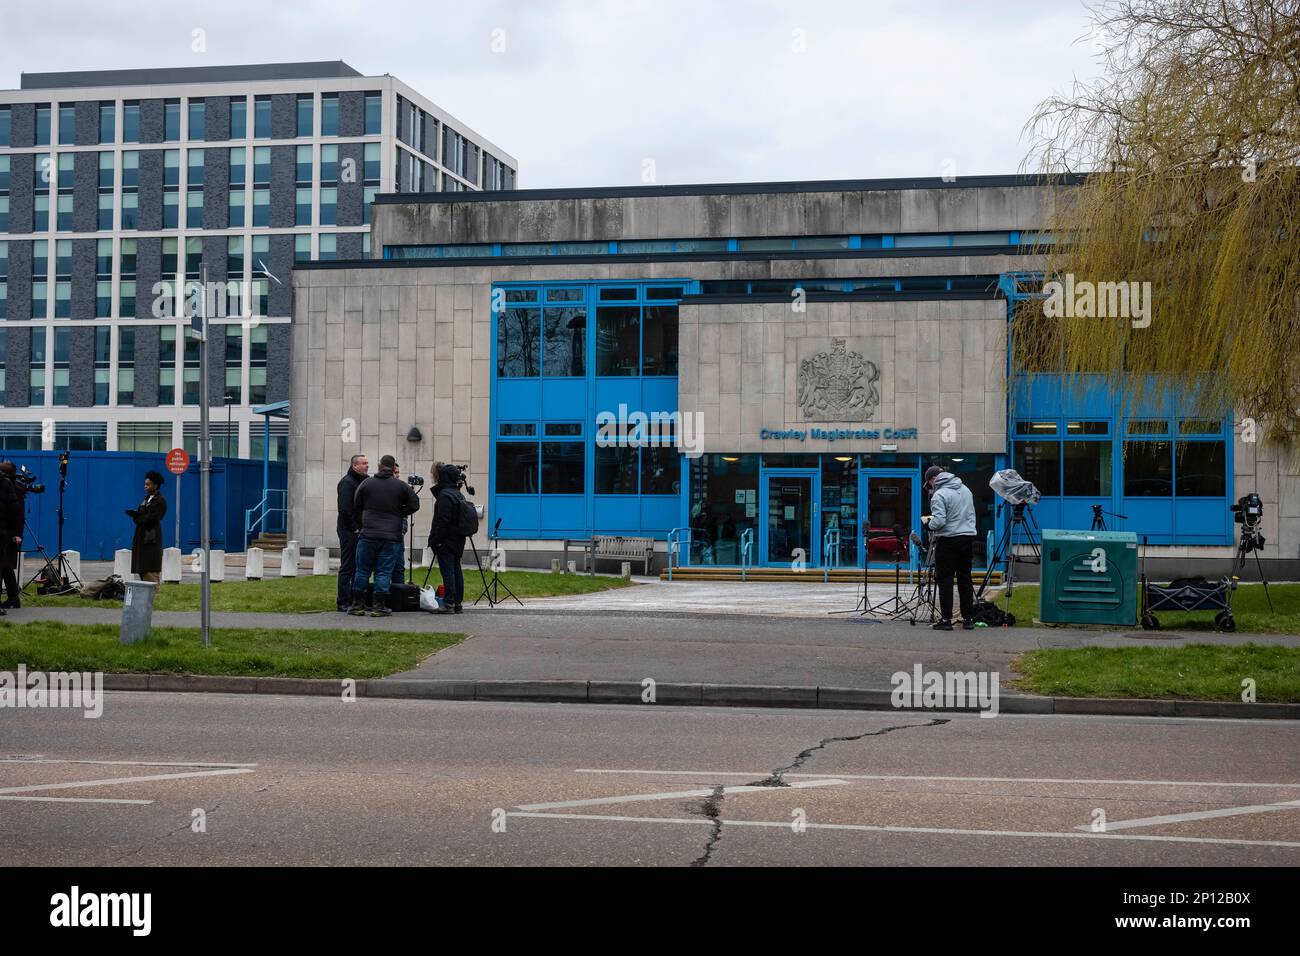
<point x="454" y="520"/>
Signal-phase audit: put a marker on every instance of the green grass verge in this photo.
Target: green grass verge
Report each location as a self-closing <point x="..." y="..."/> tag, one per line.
<point x="1192" y="672"/>
<point x="317" y="592"/>
<point x="257" y="652"/>
<point x="1249" y="608"/>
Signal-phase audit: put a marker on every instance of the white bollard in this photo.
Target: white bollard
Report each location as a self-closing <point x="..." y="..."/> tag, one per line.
<point x="171" y="566"/>
<point x="218" y="572"/>
<point x="122" y="563"/>
<point x="289" y="560"/>
<point x="320" y="561"/>
<point x="626" y="571"/>
<point x="573" y="567"/>
<point x="253" y="564"/>
<point x="555" y="565"/>
<point x="73" y="559"/>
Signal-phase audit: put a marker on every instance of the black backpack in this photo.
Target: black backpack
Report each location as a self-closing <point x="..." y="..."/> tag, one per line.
<point x="992" y="615"/>
<point x="466" y="524"/>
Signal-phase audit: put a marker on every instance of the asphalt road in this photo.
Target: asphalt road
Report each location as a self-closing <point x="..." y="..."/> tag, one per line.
<point x="320" y="781"/>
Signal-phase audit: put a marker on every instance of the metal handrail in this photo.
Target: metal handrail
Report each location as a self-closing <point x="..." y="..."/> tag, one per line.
<point x="676" y="538"/>
<point x="746" y="551"/>
<point x="274" y="503"/>
<point x="830" y="552"/>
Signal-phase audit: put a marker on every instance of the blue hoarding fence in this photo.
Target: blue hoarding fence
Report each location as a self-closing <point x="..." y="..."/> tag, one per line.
<point x="101" y="485"/>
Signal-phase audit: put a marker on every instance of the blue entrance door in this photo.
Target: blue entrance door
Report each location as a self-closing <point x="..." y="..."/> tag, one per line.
<point x="890" y="509"/>
<point x="789" y="516"/>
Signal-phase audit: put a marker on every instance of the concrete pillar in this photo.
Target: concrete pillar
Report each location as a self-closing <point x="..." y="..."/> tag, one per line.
<point x="253" y="564"/>
<point x="289" y="560"/>
<point x="73" y="559"/>
<point x="320" y="561"/>
<point x="218" y="572"/>
<point x="573" y="567"/>
<point x="171" y="566"/>
<point x="555" y="566"/>
<point x="122" y="563"/>
<point x="626" y="570"/>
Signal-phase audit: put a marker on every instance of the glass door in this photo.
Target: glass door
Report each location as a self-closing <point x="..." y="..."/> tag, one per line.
<point x="889" y="515"/>
<point x="789" y="514"/>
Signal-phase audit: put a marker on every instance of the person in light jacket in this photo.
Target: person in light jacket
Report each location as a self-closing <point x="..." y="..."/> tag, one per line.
<point x="146" y="543"/>
<point x="951" y="523"/>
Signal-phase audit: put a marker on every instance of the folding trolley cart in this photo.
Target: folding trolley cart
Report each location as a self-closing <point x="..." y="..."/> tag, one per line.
<point x="1186" y="594"/>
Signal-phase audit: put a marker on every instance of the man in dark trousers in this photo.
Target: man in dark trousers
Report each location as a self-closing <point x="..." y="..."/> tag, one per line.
<point x="11" y="533"/>
<point x="146" y="543"/>
<point x="952" y="525"/>
<point x="381" y="503"/>
<point x="447" y="544"/>
<point x="358" y="470"/>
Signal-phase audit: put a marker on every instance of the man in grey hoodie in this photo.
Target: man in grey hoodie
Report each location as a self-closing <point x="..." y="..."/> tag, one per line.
<point x="952" y="523"/>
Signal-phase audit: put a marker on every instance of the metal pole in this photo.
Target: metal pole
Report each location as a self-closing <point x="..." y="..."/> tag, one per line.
<point x="205" y="471"/>
<point x="179" y="482"/>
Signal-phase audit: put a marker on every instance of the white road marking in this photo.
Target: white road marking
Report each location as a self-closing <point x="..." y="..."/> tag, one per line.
<point x="124" y="763"/>
<point x="888" y="776"/>
<point x="1195" y="815"/>
<point x="78" y="784"/>
<point x="677" y="795"/>
<point x="864" y="828"/>
<point x="73" y="799"/>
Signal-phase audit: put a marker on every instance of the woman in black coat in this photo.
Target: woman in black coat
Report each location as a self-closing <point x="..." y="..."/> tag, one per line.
<point x="146" y="545"/>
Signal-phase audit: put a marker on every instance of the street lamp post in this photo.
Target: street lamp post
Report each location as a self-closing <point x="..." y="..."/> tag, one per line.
<point x="200" y="322"/>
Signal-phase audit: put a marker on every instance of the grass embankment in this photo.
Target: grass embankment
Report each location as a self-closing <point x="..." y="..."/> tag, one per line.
<point x="318" y="592"/>
<point x="1249" y="608"/>
<point x="258" y="652"/>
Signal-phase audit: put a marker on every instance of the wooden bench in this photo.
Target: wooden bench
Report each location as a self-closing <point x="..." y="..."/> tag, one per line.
<point x="613" y="547"/>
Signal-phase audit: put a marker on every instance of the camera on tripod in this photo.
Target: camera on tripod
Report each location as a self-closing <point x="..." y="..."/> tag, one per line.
<point x="1248" y="511"/>
<point x="415" y="481"/>
<point x="463" y="480"/>
<point x="28" y="482"/>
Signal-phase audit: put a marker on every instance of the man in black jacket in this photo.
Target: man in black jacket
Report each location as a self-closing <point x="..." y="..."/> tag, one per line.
<point x="447" y="543"/>
<point x="358" y="470"/>
<point x="382" y="501"/>
<point x="11" y="533"/>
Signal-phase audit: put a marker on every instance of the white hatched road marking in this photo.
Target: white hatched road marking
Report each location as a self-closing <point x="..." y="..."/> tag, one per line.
<point x="677" y="795"/>
<point x="208" y="770"/>
<point x="1196" y="815"/>
<point x="899" y="776"/>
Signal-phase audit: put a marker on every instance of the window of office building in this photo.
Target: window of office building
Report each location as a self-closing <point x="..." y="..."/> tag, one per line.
<point x="303" y="165"/>
<point x="367" y="202"/>
<point x="261" y="206"/>
<point x="191" y="393"/>
<point x="107" y="122"/>
<point x="144" y="436"/>
<point x="329" y="206"/>
<point x="329" y="164"/>
<point x="130" y="169"/>
<point x="261" y="165"/>
<point x="262" y="117"/>
<point x="62" y="365"/>
<point x="279" y="446"/>
<point x="126" y="283"/>
<point x="234" y="364"/>
<point x="257" y="365"/>
<point x="194" y="208"/>
<point x="42" y="135"/>
<point x="131" y="121"/>
<point x="171" y="167"/>
<point x="238" y="117"/>
<point x="306" y="126"/>
<point x="81" y="436"/>
<point x="41" y="212"/>
<point x="235" y="257"/>
<point x="170" y="263"/>
<point x="237" y="157"/>
<point x="36" y="381"/>
<point x="371" y="172"/>
<point x="67" y="126"/>
<point x="329" y="246"/>
<point x="329" y="114"/>
<point x="302" y="248"/>
<point x="103" y="363"/>
<point x="171" y="120"/>
<point x="4" y="345"/>
<point x="302" y="206"/>
<point x="6" y="125"/>
<point x="235" y="208"/>
<point x="374" y="115"/>
<point x="198" y="119"/>
<point x="125" y="367"/>
<point x="167" y="365"/>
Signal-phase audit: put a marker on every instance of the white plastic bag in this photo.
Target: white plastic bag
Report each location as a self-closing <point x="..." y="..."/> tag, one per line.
<point x="429" y="600"/>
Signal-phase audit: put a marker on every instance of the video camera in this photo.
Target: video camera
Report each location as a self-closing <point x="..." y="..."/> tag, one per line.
<point x="1249" y="513"/>
<point x="415" y="481"/>
<point x="463" y="480"/>
<point x="1013" y="489"/>
<point x="26" y="481"/>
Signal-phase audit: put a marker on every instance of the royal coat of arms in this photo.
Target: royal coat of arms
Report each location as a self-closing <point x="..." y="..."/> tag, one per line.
<point x="838" y="386"/>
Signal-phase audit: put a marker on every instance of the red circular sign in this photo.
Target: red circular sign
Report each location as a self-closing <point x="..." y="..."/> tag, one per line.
<point x="178" y="461"/>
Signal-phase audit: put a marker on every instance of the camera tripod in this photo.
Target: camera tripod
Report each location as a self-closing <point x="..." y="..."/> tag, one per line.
<point x="492" y="590"/>
<point x="1005" y="549"/>
<point x="56" y="571"/>
<point x="925" y="594"/>
<point x="1098" y="522"/>
<point x="1248" y="543"/>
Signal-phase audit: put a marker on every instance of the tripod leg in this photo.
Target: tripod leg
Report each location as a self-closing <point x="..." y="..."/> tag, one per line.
<point x="1260" y="568"/>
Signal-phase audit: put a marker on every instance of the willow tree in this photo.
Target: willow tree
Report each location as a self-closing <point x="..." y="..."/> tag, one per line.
<point x="1189" y="143"/>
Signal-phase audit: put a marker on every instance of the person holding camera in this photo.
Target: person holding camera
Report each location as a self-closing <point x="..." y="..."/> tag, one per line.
<point x="146" y="543"/>
<point x="951" y="524"/>
<point x="11" y="533"/>
<point x="382" y="503"/>
<point x="445" y="537"/>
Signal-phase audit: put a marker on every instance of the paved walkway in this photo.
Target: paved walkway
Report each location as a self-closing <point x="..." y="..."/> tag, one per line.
<point x="716" y="632"/>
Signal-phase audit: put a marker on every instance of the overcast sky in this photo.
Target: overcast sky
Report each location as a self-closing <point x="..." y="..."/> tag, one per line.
<point x="591" y="92"/>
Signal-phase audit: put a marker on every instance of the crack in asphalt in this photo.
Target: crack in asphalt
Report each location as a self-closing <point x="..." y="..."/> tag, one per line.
<point x="711" y="806"/>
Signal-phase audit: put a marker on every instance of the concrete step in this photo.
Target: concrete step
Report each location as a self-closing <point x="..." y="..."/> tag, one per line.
<point x="811" y="575"/>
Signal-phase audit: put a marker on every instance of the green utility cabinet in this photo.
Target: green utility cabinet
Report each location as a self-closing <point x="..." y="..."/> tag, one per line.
<point x="1089" y="577"/>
